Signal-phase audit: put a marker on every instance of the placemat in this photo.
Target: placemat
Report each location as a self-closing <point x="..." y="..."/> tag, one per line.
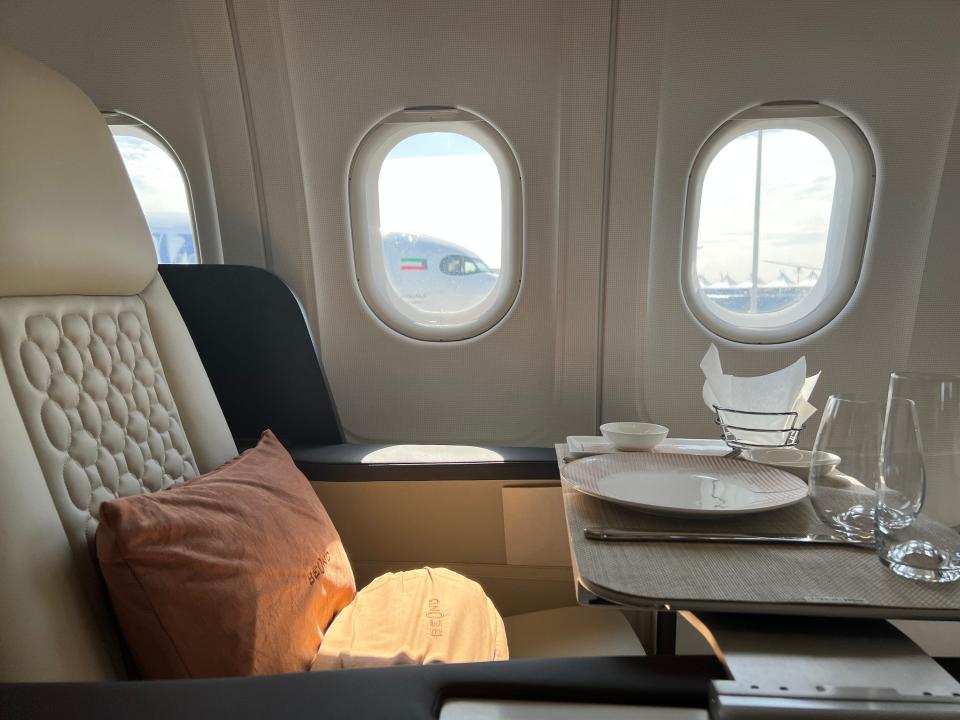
<point x="815" y="580"/>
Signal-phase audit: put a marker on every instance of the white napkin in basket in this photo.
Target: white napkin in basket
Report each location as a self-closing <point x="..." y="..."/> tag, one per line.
<point x="786" y="390"/>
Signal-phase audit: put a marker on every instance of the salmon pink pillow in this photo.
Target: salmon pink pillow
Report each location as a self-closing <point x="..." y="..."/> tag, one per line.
<point x="236" y="572"/>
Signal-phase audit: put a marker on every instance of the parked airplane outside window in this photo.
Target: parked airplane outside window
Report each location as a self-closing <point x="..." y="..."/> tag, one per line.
<point x="440" y="221"/>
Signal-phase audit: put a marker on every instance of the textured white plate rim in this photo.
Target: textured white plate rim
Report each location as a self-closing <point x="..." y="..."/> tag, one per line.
<point x="823" y="458"/>
<point x="764" y="501"/>
<point x="577" y="444"/>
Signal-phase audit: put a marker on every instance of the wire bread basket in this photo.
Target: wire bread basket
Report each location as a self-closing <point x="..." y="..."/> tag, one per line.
<point x="783" y="434"/>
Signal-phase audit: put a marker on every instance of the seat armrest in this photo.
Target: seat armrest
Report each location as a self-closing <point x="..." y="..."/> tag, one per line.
<point x="398" y="692"/>
<point x="253" y="338"/>
<point x="356" y="462"/>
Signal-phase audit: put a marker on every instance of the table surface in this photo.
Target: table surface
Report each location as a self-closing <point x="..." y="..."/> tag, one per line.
<point x="727" y="577"/>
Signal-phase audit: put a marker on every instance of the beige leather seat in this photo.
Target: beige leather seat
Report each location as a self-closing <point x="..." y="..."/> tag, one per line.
<point x="102" y="393"/>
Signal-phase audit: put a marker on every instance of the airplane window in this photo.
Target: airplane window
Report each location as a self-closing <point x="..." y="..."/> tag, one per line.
<point x="435" y="201"/>
<point x="777" y="223"/>
<point x="161" y="187"/>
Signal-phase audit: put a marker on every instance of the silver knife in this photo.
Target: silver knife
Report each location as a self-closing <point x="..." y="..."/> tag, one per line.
<point x="625" y="535"/>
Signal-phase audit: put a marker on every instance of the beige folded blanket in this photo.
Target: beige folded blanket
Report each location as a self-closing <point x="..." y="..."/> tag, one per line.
<point x="431" y="615"/>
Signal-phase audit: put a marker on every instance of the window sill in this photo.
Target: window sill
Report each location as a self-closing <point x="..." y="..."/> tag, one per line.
<point x="357" y="462"/>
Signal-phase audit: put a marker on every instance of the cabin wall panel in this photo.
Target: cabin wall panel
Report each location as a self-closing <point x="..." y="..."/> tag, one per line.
<point x="261" y="46"/>
<point x="894" y="71"/>
<point x="537" y="71"/>
<point x="936" y="332"/>
<point x="228" y="143"/>
<point x="173" y="67"/>
<point x="632" y="165"/>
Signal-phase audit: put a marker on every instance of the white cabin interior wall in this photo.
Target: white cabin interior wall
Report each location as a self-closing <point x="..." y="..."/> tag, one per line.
<point x="266" y="100"/>
<point x="324" y="74"/>
<point x="231" y="154"/>
<point x="936" y="333"/>
<point x="893" y="67"/>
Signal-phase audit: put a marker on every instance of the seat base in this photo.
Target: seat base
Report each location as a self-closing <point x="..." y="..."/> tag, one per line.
<point x="571" y="632"/>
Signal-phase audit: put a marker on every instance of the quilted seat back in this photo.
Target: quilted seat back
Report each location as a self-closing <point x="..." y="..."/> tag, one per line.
<point x="102" y="394"/>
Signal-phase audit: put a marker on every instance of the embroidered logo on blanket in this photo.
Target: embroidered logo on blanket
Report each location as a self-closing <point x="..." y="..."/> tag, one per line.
<point x="319" y="568"/>
<point x="435" y="617"/>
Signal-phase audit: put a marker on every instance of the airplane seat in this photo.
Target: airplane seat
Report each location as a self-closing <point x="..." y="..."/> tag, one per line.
<point x="102" y="391"/>
<point x="234" y="310"/>
<point x="237" y="311"/>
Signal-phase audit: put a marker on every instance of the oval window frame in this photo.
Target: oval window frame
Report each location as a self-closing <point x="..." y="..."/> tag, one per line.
<point x="364" y="201"/>
<point x="140" y="129"/>
<point x="847" y="235"/>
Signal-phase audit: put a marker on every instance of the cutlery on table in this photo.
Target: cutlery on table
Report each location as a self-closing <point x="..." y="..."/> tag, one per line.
<point x="627" y="535"/>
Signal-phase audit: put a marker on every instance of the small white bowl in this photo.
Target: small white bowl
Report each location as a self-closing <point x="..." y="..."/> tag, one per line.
<point x="634" y="435"/>
<point x="793" y="460"/>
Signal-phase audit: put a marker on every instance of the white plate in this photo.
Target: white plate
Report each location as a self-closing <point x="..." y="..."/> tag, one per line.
<point x="693" y="446"/>
<point x="793" y="460"/>
<point x="584" y="445"/>
<point x="685" y="485"/>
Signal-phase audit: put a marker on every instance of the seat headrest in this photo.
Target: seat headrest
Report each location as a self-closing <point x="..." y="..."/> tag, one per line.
<point x="70" y="223"/>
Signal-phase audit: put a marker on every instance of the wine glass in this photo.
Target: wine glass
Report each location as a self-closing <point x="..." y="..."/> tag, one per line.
<point x="918" y="515"/>
<point x="843" y="490"/>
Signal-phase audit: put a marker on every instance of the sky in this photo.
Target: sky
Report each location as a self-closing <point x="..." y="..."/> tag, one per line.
<point x="798" y="178"/>
<point x="163" y="198"/>
<point x="156" y="177"/>
<point x="445" y="185"/>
